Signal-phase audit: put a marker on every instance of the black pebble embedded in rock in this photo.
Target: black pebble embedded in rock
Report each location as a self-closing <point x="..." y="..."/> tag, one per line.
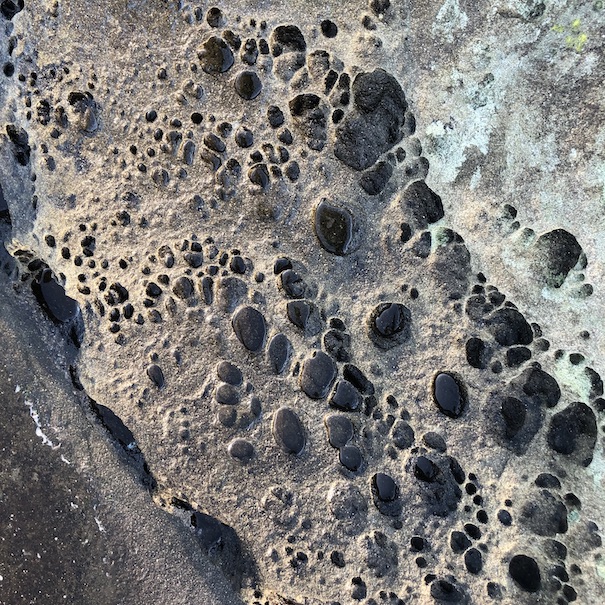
<point x="340" y="430"/>
<point x="346" y="397"/>
<point x="573" y="432"/>
<point x="215" y="56"/>
<point x="525" y="572"/>
<point x="153" y="290"/>
<point x="282" y="264"/>
<point x="357" y="378"/>
<point x="402" y="434"/>
<point x="155" y="374"/>
<point x="375" y="179"/>
<point x="425" y="469"/>
<point x="476" y="353"/>
<point x="182" y="287"/>
<point x="515" y="356"/>
<point x="52" y="297"/>
<point x="215" y="143"/>
<point x="540" y="386"/>
<point x="275" y="116"/>
<point x="505" y="517"/>
<point x="336" y="344"/>
<point x="329" y="29"/>
<point x="424" y="204"/>
<point x="225" y="394"/>
<point x="278" y="353"/>
<point x="288" y="431"/>
<point x="350" y="457"/>
<point x="288" y="38"/>
<point x="229" y="373"/>
<point x="385" y="486"/>
<point x="473" y="560"/>
<point x="248" y="85"/>
<point x="334" y="228"/>
<point x="244" y="137"/>
<point x="299" y="313"/>
<point x="241" y="449"/>
<point x="547" y="480"/>
<point x="557" y="252"/>
<point x="434" y="441"/>
<point x="390" y="324"/>
<point x="459" y="542"/>
<point x="509" y="327"/>
<point x="317" y="375"/>
<point x="259" y="175"/>
<point x="449" y="395"/>
<point x="194" y="259"/>
<point x="544" y="514"/>
<point x="250" y="328"/>
<point x="292" y="284"/>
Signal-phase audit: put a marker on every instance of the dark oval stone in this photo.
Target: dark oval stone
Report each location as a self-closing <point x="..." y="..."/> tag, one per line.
<point x="299" y="312"/>
<point x="350" y="457"/>
<point x="250" y="328"/>
<point x="385" y="486"/>
<point x="459" y="542"/>
<point x="345" y="397"/>
<point x="334" y="228"/>
<point x="288" y="431"/>
<point x="541" y="386"/>
<point x="248" y="85"/>
<point x="525" y="572"/>
<point x="216" y="56"/>
<point x="448" y="395"/>
<point x="339" y="428"/>
<point x="547" y="480"/>
<point x="259" y="175"/>
<point x="156" y="375"/>
<point x="292" y="284"/>
<point x="557" y="254"/>
<point x="390" y="324"/>
<point x="317" y="375"/>
<point x="229" y="373"/>
<point x="183" y="287"/>
<point x="476" y="353"/>
<point x="573" y="431"/>
<point x="425" y="205"/>
<point x="434" y="441"/>
<point x="226" y="395"/>
<point x="52" y="297"/>
<point x="473" y="560"/>
<point x="227" y="416"/>
<point x="288" y="38"/>
<point x="509" y="327"/>
<point x="194" y="259"/>
<point x="241" y="449"/>
<point x="153" y="290"/>
<point x="425" y="469"/>
<point x="402" y="435"/>
<point x="278" y="353"/>
<point x="244" y="137"/>
<point x="357" y="378"/>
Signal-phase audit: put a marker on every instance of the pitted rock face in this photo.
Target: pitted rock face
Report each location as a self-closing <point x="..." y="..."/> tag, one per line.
<point x="289" y="319"/>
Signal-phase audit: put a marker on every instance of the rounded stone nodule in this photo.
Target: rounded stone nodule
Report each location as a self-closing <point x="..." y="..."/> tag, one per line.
<point x="449" y="394"/>
<point x="389" y="325"/>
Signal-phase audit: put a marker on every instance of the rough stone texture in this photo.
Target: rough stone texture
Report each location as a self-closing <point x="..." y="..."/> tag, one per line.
<point x="135" y="167"/>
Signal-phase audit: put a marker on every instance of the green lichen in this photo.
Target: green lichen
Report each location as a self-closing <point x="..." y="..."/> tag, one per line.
<point x="576" y="38"/>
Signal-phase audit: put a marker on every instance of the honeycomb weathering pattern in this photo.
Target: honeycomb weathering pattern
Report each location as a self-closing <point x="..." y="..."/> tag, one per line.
<point x="270" y="291"/>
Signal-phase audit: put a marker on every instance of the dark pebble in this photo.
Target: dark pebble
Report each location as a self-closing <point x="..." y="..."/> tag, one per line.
<point x="515" y="356"/>
<point x="155" y="374"/>
<point x="244" y="137"/>
<point x="346" y="397"/>
<point x="292" y="284"/>
<point x="281" y="264"/>
<point x="505" y="517"/>
<point x="573" y="432"/>
<point x="182" y="287"/>
<point x="229" y="373"/>
<point x="390" y="325"/>
<point x="339" y="429"/>
<point x="250" y="328"/>
<point x="473" y="560"/>
<point x="153" y="290"/>
<point x="215" y="56"/>
<point x="355" y="376"/>
<point x="248" y="85"/>
<point x="237" y="265"/>
<point x="423" y="203"/>
<point x="449" y="395"/>
<point x="476" y="353"/>
<point x="194" y="259"/>
<point x="385" y="486"/>
<point x="350" y="457"/>
<point x="275" y="116"/>
<point x="328" y="28"/>
<point x="241" y="449"/>
<point x="288" y="431"/>
<point x="336" y="344"/>
<point x="446" y="592"/>
<point x="525" y="572"/>
<point x="459" y="542"/>
<point x="402" y="434"/>
<point x="317" y="375"/>
<point x="434" y="441"/>
<point x="215" y="143"/>
<point x="509" y="327"/>
<point x="259" y="175"/>
<point x="374" y="180"/>
<point x="226" y="395"/>
<point x="514" y="413"/>
<point x="278" y="353"/>
<point x="227" y="416"/>
<point x="425" y="469"/>
<point x="334" y="228"/>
